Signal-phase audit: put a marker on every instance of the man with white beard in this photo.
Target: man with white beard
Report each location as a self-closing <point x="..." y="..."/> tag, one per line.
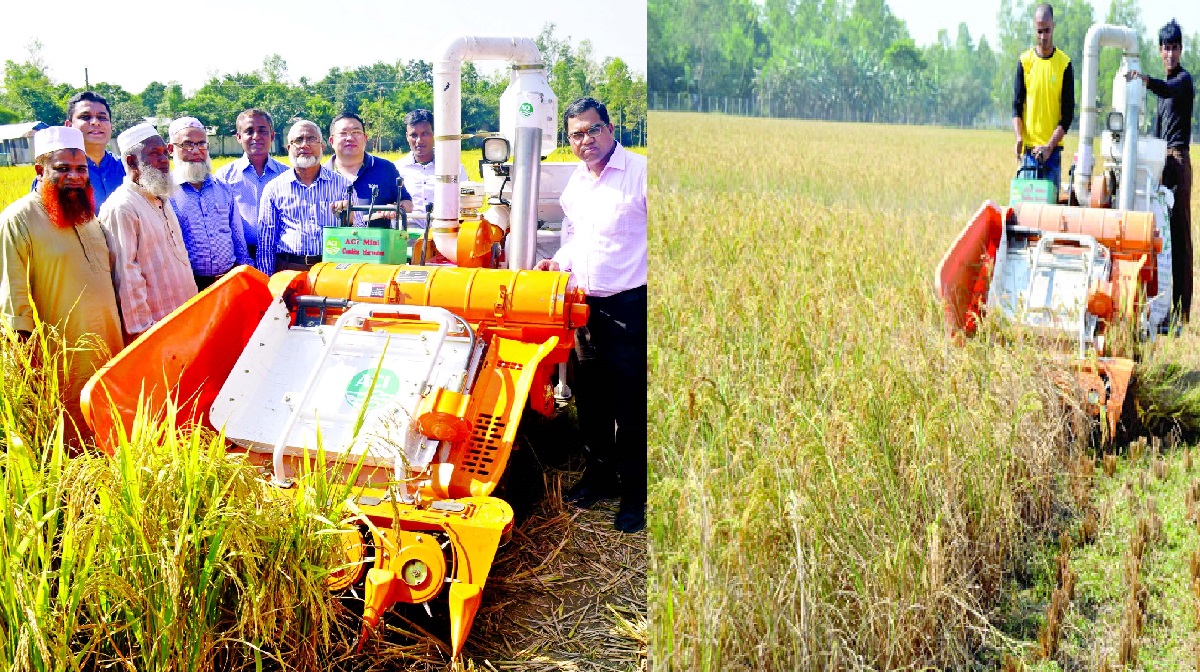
<point x="150" y="266"/>
<point x="298" y="204"/>
<point x="213" y="230"/>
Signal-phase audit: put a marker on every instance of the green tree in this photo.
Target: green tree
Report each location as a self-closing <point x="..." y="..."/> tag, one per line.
<point x="29" y="92"/>
<point x="153" y="94"/>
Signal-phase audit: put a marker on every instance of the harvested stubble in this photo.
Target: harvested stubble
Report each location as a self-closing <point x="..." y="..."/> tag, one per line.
<point x="1110" y="464"/>
<point x="834" y="483"/>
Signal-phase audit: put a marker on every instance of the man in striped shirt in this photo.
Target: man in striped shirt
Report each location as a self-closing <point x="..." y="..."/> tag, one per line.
<point x="150" y="267"/>
<point x="213" y="230"/>
<point x="248" y="175"/>
<point x="604" y="247"/>
<point x="297" y="205"/>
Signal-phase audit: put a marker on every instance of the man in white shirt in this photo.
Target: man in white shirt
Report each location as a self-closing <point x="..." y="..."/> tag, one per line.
<point x="604" y="247"/>
<point x="416" y="167"/>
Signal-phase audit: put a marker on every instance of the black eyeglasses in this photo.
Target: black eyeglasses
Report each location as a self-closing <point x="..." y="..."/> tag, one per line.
<point x="595" y="130"/>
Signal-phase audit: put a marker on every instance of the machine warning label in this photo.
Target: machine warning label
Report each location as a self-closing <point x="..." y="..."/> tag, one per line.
<point x="386" y="387"/>
<point x="372" y="290"/>
<point x="343" y="266"/>
<point x="412" y="277"/>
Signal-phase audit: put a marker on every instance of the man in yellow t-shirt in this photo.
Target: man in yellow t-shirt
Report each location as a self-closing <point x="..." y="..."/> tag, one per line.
<point x="1043" y="99"/>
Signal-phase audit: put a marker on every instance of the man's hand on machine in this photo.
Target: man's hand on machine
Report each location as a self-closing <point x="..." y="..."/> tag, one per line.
<point x="546" y="265"/>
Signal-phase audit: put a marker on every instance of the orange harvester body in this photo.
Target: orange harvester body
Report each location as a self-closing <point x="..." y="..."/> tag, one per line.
<point x="442" y="525"/>
<point x="1039" y="240"/>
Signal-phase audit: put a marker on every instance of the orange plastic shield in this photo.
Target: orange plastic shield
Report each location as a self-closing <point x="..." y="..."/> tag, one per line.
<point x="186" y="356"/>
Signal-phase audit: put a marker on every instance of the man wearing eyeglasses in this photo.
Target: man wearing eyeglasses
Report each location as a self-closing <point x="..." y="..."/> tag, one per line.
<point x="1043" y="100"/>
<point x="604" y="247"/>
<point x="348" y="139"/>
<point x="213" y="230"/>
<point x="297" y="205"/>
<point x="1173" y="123"/>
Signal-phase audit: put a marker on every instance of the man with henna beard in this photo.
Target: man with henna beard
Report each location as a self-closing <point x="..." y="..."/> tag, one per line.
<point x="55" y="261"/>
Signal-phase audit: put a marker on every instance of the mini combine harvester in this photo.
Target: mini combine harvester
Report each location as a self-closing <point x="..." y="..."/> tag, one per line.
<point x="412" y="379"/>
<point x="1071" y="272"/>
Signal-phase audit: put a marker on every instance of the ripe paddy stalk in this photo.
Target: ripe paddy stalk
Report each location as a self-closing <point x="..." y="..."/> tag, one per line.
<point x="169" y="555"/>
<point x="833" y="483"/>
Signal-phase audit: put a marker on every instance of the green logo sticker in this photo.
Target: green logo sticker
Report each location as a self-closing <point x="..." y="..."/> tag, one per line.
<point x="526" y="109"/>
<point x="385" y="388"/>
<point x="332" y="245"/>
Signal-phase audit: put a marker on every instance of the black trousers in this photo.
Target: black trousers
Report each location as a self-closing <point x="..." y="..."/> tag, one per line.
<point x="1177" y="175"/>
<point x="610" y="391"/>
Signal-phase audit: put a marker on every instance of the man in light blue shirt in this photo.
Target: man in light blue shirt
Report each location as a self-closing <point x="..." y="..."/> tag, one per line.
<point x="212" y="225"/>
<point x="88" y="111"/>
<point x="248" y="175"/>
<point x="296" y="207"/>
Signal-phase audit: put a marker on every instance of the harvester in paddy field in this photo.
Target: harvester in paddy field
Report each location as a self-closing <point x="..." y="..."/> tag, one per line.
<point x="435" y="363"/>
<point x="1074" y="271"/>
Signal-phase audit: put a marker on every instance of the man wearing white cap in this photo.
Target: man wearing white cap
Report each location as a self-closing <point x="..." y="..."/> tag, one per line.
<point x="151" y="270"/>
<point x="213" y="230"/>
<point x="55" y="261"/>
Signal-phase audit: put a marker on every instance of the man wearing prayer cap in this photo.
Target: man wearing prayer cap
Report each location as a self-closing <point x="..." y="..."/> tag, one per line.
<point x="55" y="261"/>
<point x="150" y="266"/>
<point x="212" y="225"/>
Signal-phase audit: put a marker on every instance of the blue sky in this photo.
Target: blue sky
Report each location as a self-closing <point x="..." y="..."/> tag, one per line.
<point x="133" y="43"/>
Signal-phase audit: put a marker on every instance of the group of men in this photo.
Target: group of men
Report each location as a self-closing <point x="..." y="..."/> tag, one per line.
<point x="102" y="256"/>
<point x="1044" y="106"/>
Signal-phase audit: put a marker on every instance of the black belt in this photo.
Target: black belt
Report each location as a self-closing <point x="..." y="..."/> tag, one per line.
<point x="627" y="296"/>
<point x="298" y="258"/>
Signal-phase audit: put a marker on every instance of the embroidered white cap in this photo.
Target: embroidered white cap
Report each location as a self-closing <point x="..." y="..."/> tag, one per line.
<point x="54" y="138"/>
<point x="133" y="136"/>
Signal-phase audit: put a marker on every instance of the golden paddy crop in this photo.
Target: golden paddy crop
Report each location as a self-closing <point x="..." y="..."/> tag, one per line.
<point x="834" y="484"/>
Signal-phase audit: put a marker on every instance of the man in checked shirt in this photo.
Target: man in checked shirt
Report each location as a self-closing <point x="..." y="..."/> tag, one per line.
<point x="213" y="230"/>
<point x="150" y="267"/>
<point x="604" y="247"/>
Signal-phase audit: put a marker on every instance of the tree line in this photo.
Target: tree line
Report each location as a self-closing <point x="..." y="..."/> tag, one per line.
<point x="381" y="93"/>
<point x="854" y="60"/>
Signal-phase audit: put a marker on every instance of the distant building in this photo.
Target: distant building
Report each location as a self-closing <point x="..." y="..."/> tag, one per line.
<point x="16" y="142"/>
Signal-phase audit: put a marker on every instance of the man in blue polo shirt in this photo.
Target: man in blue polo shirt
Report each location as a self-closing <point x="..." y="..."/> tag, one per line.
<point x="248" y="175"/>
<point x="88" y="111"/>
<point x="348" y="138"/>
<point x="212" y="226"/>
<point x="298" y="205"/>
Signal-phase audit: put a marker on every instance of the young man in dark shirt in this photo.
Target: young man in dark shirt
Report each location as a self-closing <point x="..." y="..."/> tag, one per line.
<point x="1174" y="124"/>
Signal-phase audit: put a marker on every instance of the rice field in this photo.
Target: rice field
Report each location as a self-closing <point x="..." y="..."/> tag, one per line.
<point x="175" y="554"/>
<point x="834" y="484"/>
